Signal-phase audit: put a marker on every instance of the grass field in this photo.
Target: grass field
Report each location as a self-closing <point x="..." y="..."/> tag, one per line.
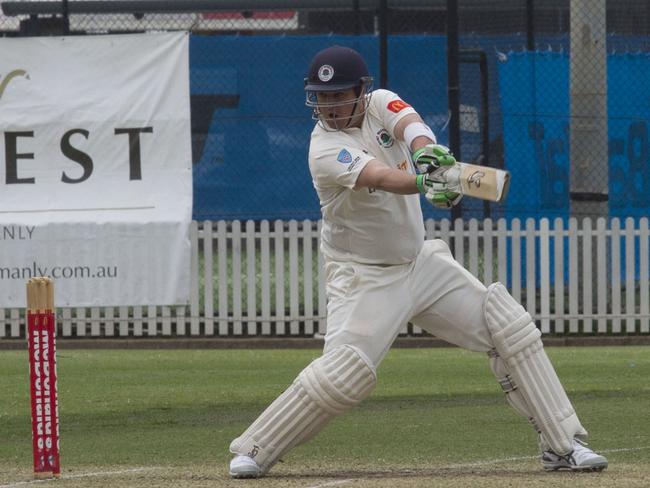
<point x="437" y="418"/>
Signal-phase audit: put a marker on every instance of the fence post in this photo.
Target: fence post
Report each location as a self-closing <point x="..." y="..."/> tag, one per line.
<point x="453" y="90"/>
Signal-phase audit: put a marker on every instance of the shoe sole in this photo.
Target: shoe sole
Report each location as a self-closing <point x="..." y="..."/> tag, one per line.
<point x="584" y="469"/>
<point x="244" y="475"/>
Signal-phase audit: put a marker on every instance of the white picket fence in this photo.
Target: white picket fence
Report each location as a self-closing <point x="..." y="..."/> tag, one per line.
<point x="266" y="279"/>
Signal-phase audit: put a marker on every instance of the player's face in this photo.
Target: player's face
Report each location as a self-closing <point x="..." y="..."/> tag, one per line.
<point x="336" y="108"/>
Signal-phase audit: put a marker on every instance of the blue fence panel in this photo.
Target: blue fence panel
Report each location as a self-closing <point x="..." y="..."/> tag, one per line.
<point x="251" y="128"/>
<point x="251" y="147"/>
<point x="534" y="89"/>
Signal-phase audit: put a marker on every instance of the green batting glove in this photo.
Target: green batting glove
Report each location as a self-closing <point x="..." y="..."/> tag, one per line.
<point x="437" y="193"/>
<point x="431" y="157"/>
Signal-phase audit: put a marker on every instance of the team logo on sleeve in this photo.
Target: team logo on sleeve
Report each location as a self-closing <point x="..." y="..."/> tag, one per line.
<point x="384" y="139"/>
<point x="397" y="105"/>
<point x="344" y="157"/>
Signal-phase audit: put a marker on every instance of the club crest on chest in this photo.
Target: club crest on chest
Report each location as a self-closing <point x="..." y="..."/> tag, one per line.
<point x="384" y="138"/>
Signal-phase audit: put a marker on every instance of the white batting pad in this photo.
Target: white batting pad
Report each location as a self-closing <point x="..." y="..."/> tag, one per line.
<point x="518" y="342"/>
<point x="329" y="386"/>
<point x="515" y="398"/>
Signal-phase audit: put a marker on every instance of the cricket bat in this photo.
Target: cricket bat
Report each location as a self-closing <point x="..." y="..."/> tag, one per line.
<point x="480" y="181"/>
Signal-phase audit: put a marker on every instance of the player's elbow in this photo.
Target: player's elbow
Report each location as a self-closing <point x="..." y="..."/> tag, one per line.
<point x="383" y="180"/>
<point x="390" y="180"/>
<point x="370" y="175"/>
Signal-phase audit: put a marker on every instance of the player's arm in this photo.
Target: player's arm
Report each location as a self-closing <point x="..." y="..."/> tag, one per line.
<point x="382" y="177"/>
<point x="426" y="154"/>
<point x="378" y="175"/>
<point x="419" y="135"/>
<point x="437" y="163"/>
<point x="431" y="160"/>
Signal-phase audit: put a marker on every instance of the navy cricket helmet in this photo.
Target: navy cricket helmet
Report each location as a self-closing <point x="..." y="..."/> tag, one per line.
<point x="336" y="68"/>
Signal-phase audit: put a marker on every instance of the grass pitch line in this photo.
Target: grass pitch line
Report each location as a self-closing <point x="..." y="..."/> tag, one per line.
<point x="80" y="475"/>
<point x="527" y="458"/>
<point x="474" y="464"/>
<point x="329" y="483"/>
<point x="627" y="449"/>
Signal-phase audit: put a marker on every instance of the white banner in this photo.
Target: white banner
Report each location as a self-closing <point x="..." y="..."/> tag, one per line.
<point x="96" y="176"/>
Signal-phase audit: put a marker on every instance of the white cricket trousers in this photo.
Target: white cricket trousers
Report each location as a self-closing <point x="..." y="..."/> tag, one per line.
<point x="369" y="304"/>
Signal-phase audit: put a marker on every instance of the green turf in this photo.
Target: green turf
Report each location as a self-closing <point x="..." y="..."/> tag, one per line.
<point x="430" y="407"/>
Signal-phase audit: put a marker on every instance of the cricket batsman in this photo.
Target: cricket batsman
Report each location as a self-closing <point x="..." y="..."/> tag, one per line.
<point x="371" y="156"/>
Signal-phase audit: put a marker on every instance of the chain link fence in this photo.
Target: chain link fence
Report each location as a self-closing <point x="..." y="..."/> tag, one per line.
<point x="523" y="102"/>
<point x="572" y="130"/>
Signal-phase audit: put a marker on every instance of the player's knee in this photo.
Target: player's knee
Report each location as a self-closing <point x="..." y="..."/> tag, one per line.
<point x="510" y="325"/>
<point x="339" y="380"/>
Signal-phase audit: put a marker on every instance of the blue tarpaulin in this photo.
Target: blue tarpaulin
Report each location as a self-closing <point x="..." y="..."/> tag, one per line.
<point x="251" y="128"/>
<point x="534" y="91"/>
<point x="253" y="160"/>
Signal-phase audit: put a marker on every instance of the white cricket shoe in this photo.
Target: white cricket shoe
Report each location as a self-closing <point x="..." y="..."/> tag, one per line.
<point x="580" y="459"/>
<point x="244" y="467"/>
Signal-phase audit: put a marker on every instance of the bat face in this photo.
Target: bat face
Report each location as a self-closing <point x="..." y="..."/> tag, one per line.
<point x="474" y="179"/>
<point x="484" y="182"/>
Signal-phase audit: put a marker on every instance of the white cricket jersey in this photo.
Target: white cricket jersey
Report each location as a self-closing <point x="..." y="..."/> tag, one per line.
<point x="366" y="225"/>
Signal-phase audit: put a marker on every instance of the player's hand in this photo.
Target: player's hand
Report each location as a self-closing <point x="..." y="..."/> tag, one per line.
<point x="438" y="193"/>
<point x="432" y="157"/>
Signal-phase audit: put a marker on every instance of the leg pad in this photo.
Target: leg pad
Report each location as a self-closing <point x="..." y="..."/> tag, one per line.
<point x="329" y="386"/>
<point x="518" y="343"/>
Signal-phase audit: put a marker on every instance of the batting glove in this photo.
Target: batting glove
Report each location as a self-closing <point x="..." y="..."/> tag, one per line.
<point x="438" y="193"/>
<point x="432" y="157"/>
